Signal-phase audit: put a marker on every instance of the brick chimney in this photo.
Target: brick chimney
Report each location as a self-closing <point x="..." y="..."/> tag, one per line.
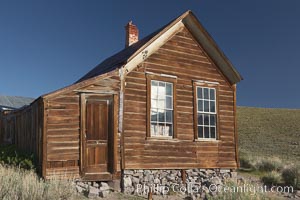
<point x="132" y="34"/>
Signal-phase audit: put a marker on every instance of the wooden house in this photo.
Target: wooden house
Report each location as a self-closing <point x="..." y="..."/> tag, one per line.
<point x="165" y="102"/>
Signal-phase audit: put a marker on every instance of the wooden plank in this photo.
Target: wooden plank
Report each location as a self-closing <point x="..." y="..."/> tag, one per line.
<point x="235" y="129"/>
<point x="135" y="96"/>
<point x="60" y="105"/>
<point x="63" y="112"/>
<point x="63" y="173"/>
<point x="44" y="138"/>
<point x="65" y="99"/>
<point x="62" y="157"/>
<point x="63" y="126"/>
<point x="115" y="134"/>
<point x="54" y="150"/>
<point x="199" y="76"/>
<point x="63" y="119"/>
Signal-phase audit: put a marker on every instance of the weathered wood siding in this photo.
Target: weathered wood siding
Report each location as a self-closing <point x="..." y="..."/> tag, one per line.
<point x="62" y="125"/>
<point x="24" y="128"/>
<point x="181" y="56"/>
<point x="62" y="135"/>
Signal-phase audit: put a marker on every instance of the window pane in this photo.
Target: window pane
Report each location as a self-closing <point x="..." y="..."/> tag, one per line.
<point x="206" y="119"/>
<point x="200" y="105"/>
<point x="212" y="94"/>
<point x="161" y="103"/>
<point x="206" y="132"/>
<point x="153" y="128"/>
<point x="169" y="130"/>
<point x="161" y="89"/>
<point x="199" y="93"/>
<point x="212" y="132"/>
<point x="169" y="89"/>
<point x="205" y="91"/>
<point x="153" y="115"/>
<point x="212" y="120"/>
<point x="154" y="83"/>
<point x="212" y="106"/>
<point x="161" y="115"/>
<point x="161" y="129"/>
<point x="206" y="106"/>
<point x="154" y="89"/>
<point x="200" y="119"/>
<point x="153" y="103"/>
<point x="169" y="114"/>
<point x="200" y="132"/>
<point x="169" y="102"/>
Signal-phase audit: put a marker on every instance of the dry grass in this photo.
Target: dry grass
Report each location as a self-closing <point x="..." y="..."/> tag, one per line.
<point x="291" y="175"/>
<point x="22" y="184"/>
<point x="271" y="178"/>
<point x="265" y="132"/>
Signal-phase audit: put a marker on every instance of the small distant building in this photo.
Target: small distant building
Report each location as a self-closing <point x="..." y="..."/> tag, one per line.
<point x="9" y="104"/>
<point x="13" y="102"/>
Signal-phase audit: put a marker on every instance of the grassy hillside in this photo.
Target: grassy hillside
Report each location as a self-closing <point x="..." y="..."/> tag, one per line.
<point x="269" y="132"/>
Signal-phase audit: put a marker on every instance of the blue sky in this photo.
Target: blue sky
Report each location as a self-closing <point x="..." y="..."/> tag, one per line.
<point x="46" y="45"/>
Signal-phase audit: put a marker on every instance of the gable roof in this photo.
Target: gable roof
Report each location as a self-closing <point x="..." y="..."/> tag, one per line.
<point x="14" y="102"/>
<point x="189" y="20"/>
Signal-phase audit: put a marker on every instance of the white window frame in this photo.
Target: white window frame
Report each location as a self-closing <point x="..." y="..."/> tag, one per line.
<point x="203" y="112"/>
<point x="165" y="109"/>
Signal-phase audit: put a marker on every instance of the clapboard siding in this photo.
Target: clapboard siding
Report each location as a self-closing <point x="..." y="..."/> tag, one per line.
<point x="62" y="133"/>
<point x="63" y="128"/>
<point x="181" y="56"/>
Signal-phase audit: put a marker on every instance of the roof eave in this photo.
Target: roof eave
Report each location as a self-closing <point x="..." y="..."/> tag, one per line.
<point x="79" y="84"/>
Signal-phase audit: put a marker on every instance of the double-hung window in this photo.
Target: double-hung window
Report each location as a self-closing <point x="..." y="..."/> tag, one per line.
<point x="206" y="112"/>
<point x="161" y="108"/>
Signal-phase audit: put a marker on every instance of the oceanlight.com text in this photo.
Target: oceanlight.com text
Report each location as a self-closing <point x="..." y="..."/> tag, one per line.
<point x="194" y="188"/>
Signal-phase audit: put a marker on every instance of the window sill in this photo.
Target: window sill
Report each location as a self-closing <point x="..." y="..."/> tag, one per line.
<point x="162" y="138"/>
<point x="207" y="140"/>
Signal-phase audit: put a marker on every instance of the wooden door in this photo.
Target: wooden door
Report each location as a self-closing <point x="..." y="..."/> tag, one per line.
<point x="96" y="137"/>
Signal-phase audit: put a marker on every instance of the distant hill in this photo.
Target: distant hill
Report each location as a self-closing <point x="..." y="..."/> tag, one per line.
<point x="13" y="102"/>
<point x="269" y="132"/>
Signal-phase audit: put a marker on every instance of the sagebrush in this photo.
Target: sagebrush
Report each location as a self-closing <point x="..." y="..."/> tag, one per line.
<point x="17" y="183"/>
<point x="11" y="156"/>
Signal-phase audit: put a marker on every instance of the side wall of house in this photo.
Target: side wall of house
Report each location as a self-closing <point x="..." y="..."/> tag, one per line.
<point x="24" y="129"/>
<point x="181" y="56"/>
<point x="62" y="125"/>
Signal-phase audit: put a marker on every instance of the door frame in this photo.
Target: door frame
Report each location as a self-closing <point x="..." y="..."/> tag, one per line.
<point x="112" y="136"/>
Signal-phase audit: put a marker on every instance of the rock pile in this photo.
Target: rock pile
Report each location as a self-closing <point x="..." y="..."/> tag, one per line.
<point x="93" y="189"/>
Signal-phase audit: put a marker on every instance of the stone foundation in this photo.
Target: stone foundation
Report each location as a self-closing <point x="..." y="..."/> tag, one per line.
<point x="192" y="182"/>
<point x="95" y="189"/>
